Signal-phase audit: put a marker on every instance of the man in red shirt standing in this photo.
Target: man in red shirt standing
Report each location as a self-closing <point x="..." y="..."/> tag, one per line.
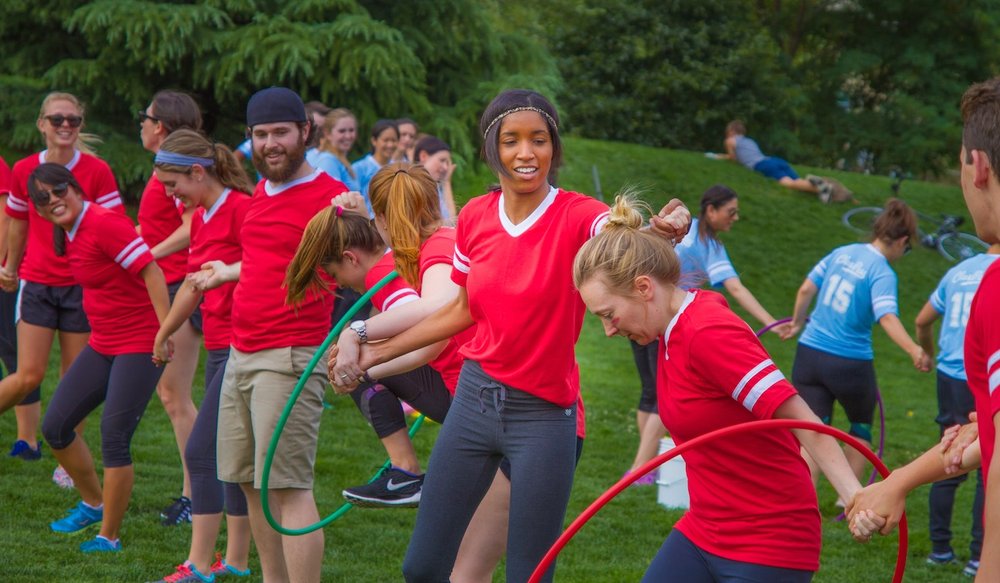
<point x="980" y="170"/>
<point x="272" y="343"/>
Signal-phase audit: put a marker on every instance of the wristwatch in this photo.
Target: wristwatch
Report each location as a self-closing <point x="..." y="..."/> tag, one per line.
<point x="359" y="328"/>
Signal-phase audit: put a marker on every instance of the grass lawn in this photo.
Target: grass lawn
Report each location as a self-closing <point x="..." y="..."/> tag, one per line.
<point x="780" y="236"/>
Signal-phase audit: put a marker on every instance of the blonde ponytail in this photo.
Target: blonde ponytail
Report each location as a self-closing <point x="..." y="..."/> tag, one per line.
<point x="406" y="195"/>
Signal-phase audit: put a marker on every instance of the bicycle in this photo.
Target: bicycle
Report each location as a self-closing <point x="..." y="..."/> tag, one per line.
<point x="935" y="233"/>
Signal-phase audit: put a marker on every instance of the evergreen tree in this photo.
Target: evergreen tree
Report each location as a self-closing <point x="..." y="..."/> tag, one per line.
<point x="437" y="62"/>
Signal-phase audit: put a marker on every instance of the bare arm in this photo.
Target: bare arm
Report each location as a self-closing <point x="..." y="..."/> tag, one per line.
<point x="17" y="235"/>
<point x="925" y="328"/>
<point x="185" y="303"/>
<point x="894" y="328"/>
<point x="989" y="567"/>
<point x="178" y="240"/>
<point x="4" y="222"/>
<point x="747" y="300"/>
<point x="823" y="448"/>
<point x="443" y="324"/>
<point x="803" y="299"/>
<point x="156" y="287"/>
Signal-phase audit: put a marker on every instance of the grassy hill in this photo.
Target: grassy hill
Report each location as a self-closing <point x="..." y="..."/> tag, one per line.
<point x="780" y="236"/>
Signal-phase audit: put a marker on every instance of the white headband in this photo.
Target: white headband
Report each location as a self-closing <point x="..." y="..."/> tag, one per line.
<point x="515" y="110"/>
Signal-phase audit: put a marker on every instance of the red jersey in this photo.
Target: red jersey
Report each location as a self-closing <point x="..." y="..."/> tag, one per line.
<point x="6" y="180"/>
<point x="159" y="216"/>
<point x="393" y="294"/>
<point x="982" y="358"/>
<point x="106" y="255"/>
<point x="274" y="223"/>
<point x="215" y="234"/>
<point x="752" y="498"/>
<point x="41" y="265"/>
<point x="519" y="279"/>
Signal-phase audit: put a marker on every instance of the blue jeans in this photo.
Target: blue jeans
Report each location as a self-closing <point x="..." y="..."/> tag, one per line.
<point x="487" y="422"/>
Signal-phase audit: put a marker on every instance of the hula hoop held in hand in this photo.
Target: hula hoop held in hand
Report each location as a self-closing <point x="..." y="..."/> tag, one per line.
<point x="651" y="465"/>
<point x="272" y="448"/>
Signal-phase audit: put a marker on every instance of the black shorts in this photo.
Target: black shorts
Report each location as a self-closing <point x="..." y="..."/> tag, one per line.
<point x="955" y="401"/>
<point x="53" y="307"/>
<point x="195" y="318"/>
<point x="822" y="378"/>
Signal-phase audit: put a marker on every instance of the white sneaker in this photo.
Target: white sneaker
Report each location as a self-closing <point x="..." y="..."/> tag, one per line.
<point x="61" y="478"/>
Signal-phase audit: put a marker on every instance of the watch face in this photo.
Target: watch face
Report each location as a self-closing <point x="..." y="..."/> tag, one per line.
<point x="357" y="325"/>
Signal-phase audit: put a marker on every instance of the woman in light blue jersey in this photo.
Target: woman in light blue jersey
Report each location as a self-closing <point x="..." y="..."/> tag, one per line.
<point x="339" y="130"/>
<point x="703" y="260"/>
<point x="951" y="302"/>
<point x="385" y="137"/>
<point x="855" y="287"/>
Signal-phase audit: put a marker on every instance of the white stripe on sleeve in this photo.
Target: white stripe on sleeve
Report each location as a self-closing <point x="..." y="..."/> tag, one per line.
<point x="994" y="379"/>
<point x="109" y="200"/>
<point x="460" y="262"/>
<point x="396" y="297"/>
<point x="598" y="225"/>
<point x="16" y="204"/>
<point x="746" y="378"/>
<point x="135" y="255"/>
<point x="760" y="387"/>
<point x="128" y="249"/>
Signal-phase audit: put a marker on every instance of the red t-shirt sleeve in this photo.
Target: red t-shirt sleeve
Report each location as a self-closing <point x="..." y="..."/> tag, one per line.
<point x="460" y="259"/>
<point x="591" y="214"/>
<point x="391" y="293"/>
<point x="121" y="243"/>
<point x="107" y="190"/>
<point x="438" y="249"/>
<point x="989" y="326"/>
<point x="728" y="355"/>
<point x="6" y="179"/>
<point x="17" y="201"/>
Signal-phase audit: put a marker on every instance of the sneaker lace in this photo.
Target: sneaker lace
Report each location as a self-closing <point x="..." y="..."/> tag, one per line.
<point x="181" y="572"/>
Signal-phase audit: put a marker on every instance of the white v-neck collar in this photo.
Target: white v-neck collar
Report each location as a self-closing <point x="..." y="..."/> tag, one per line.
<point x="209" y="213"/>
<point x="518" y="229"/>
<point x="272" y="189"/>
<point x="79" y="219"/>
<point x="673" y="321"/>
<point x="69" y="165"/>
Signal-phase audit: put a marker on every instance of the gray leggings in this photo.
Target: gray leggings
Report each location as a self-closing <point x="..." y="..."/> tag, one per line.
<point x="488" y="421"/>
<point x="124" y="383"/>
<point x="208" y="494"/>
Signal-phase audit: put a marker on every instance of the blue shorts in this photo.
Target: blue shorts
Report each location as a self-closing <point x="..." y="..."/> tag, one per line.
<point x="775" y="169"/>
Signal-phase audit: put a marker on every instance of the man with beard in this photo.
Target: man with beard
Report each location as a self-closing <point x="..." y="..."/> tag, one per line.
<point x="273" y="343"/>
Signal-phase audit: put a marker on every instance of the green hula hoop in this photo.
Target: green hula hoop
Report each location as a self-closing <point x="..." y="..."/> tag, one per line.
<point x="273" y="446"/>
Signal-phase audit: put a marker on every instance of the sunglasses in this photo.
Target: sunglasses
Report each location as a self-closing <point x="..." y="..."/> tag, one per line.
<point x="143" y="116"/>
<point x="43" y="198"/>
<point x="58" y="119"/>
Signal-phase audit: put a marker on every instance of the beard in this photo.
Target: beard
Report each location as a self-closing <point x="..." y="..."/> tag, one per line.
<point x="294" y="158"/>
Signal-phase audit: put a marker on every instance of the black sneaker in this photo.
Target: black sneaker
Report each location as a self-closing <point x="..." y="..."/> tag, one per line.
<point x="392" y="488"/>
<point x="179" y="511"/>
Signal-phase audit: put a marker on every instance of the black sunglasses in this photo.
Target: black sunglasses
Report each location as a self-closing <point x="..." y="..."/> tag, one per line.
<point x="143" y="116"/>
<point x="58" y="119"/>
<point x="42" y="198"/>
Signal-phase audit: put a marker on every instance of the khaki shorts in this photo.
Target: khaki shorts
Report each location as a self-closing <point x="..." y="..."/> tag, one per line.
<point x="255" y="390"/>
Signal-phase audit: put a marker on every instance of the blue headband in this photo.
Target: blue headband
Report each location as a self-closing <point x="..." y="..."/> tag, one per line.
<point x="167" y="157"/>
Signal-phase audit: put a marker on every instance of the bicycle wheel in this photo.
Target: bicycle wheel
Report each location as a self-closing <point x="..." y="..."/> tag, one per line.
<point x="927" y="225"/>
<point x="960" y="246"/>
<point x="861" y="219"/>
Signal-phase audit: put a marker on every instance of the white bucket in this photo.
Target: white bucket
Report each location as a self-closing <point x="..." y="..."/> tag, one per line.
<point x="671" y="480"/>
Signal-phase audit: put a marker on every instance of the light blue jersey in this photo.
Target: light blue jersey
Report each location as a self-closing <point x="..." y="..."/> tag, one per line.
<point x="330" y="164"/>
<point x="953" y="299"/>
<point x="702" y="259"/>
<point x="364" y="169"/>
<point x="857" y="287"/>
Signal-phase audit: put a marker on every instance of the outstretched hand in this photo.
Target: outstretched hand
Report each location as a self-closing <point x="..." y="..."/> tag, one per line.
<point x="351" y="201"/>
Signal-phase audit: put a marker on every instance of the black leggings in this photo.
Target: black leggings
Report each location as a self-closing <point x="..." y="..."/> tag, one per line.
<point x="124" y="383"/>
<point x="822" y="378"/>
<point x="645" y="363"/>
<point x="209" y="495"/>
<point x="423" y="388"/>
<point x="680" y="561"/>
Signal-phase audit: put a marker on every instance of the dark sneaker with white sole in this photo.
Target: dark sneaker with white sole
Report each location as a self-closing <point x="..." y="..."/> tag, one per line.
<point x="392" y="488"/>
